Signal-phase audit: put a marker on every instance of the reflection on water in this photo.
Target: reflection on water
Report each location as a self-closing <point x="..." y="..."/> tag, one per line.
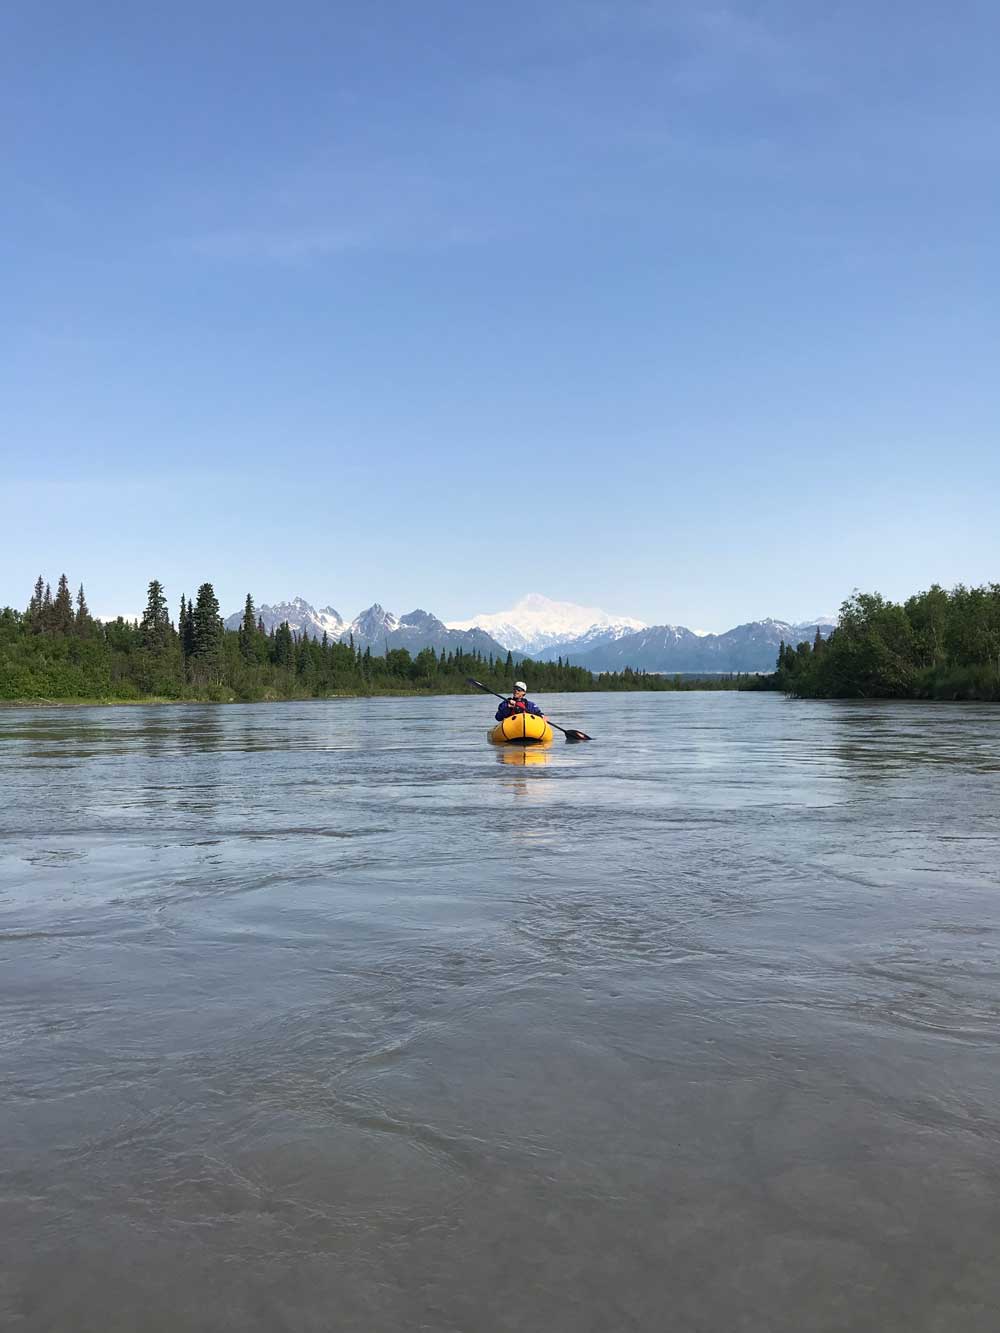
<point x="524" y="755"/>
<point x="333" y="1015"/>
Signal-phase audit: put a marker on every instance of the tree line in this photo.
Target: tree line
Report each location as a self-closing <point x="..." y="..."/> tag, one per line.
<point x="56" y="650"/>
<point x="938" y="644"/>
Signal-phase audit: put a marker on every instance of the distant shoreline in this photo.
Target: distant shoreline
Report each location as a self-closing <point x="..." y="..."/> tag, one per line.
<point x="159" y="699"/>
<point x="146" y="701"/>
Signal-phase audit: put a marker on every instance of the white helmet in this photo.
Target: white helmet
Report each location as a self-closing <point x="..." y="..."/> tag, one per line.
<point x="520" y="685"/>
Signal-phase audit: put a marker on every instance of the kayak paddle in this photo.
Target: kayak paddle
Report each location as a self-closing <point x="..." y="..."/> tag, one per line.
<point x="570" y="733"/>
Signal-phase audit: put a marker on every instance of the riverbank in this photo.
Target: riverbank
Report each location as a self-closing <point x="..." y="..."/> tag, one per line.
<point x="110" y="701"/>
<point x="113" y="702"/>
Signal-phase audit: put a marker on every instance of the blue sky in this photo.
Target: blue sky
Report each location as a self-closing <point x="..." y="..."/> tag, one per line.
<point x="685" y="310"/>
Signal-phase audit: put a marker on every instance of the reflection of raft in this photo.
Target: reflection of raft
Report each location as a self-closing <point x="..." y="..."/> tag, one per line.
<point x="523" y="754"/>
<point x="521" y="729"/>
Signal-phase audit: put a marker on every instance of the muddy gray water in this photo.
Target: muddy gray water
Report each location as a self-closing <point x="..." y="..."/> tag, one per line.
<point x="321" y="1017"/>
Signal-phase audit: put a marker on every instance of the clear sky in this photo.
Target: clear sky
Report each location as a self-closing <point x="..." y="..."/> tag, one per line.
<point x="686" y="310"/>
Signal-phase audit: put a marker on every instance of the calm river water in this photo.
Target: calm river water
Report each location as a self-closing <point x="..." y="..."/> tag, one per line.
<point x="321" y="1017"/>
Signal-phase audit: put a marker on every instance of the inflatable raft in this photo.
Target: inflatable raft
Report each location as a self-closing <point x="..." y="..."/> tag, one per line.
<point x="521" y="729"/>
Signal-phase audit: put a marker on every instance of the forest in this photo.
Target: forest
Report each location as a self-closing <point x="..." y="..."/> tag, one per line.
<point x="938" y="644"/>
<point x="56" y="651"/>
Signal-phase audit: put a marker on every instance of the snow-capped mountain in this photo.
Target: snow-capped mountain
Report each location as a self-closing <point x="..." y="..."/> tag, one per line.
<point x="668" y="648"/>
<point x="380" y="630"/>
<point x="598" y="636"/>
<point x="371" y="627"/>
<point x="299" y="615"/>
<point x="536" y="623"/>
<point x="374" y="628"/>
<point x="603" y="644"/>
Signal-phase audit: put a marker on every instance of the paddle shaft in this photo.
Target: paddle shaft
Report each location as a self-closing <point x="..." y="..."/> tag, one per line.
<point x="579" y="735"/>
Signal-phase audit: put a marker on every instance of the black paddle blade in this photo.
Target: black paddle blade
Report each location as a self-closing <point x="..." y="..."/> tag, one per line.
<point x="577" y="735"/>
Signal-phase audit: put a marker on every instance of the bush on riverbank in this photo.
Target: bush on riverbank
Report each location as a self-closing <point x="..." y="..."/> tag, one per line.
<point x="936" y="645"/>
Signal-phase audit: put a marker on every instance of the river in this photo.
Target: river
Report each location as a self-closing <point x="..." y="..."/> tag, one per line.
<point x="324" y="1017"/>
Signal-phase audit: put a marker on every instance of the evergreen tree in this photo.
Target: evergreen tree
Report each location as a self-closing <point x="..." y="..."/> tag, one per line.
<point x="37" y="599"/>
<point x="83" y="618"/>
<point x="62" y="608"/>
<point x="155" y="624"/>
<point x="303" y="657"/>
<point x="186" y="627"/>
<point x="283" y="646"/>
<point x="207" y="632"/>
<point x="248" y="632"/>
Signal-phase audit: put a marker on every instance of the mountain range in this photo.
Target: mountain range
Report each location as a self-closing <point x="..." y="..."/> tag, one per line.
<point x="673" y="648"/>
<point x="374" y="628"/>
<point x="536" y="624"/>
<point x="543" y="629"/>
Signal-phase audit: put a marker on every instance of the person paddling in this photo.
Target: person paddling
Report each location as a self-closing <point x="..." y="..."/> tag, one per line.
<point x="517" y="703"/>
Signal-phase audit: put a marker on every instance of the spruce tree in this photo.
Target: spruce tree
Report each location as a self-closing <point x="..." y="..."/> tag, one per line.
<point x="303" y="657"/>
<point x="62" y="608"/>
<point x="37" y="599"/>
<point x="83" y="620"/>
<point x="186" y="627"/>
<point x="282" y="646"/>
<point x="207" y="632"/>
<point x="155" y="624"/>
<point x="248" y="632"/>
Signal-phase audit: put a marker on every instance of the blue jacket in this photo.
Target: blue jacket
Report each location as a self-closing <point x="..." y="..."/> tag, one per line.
<point x="507" y="708"/>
